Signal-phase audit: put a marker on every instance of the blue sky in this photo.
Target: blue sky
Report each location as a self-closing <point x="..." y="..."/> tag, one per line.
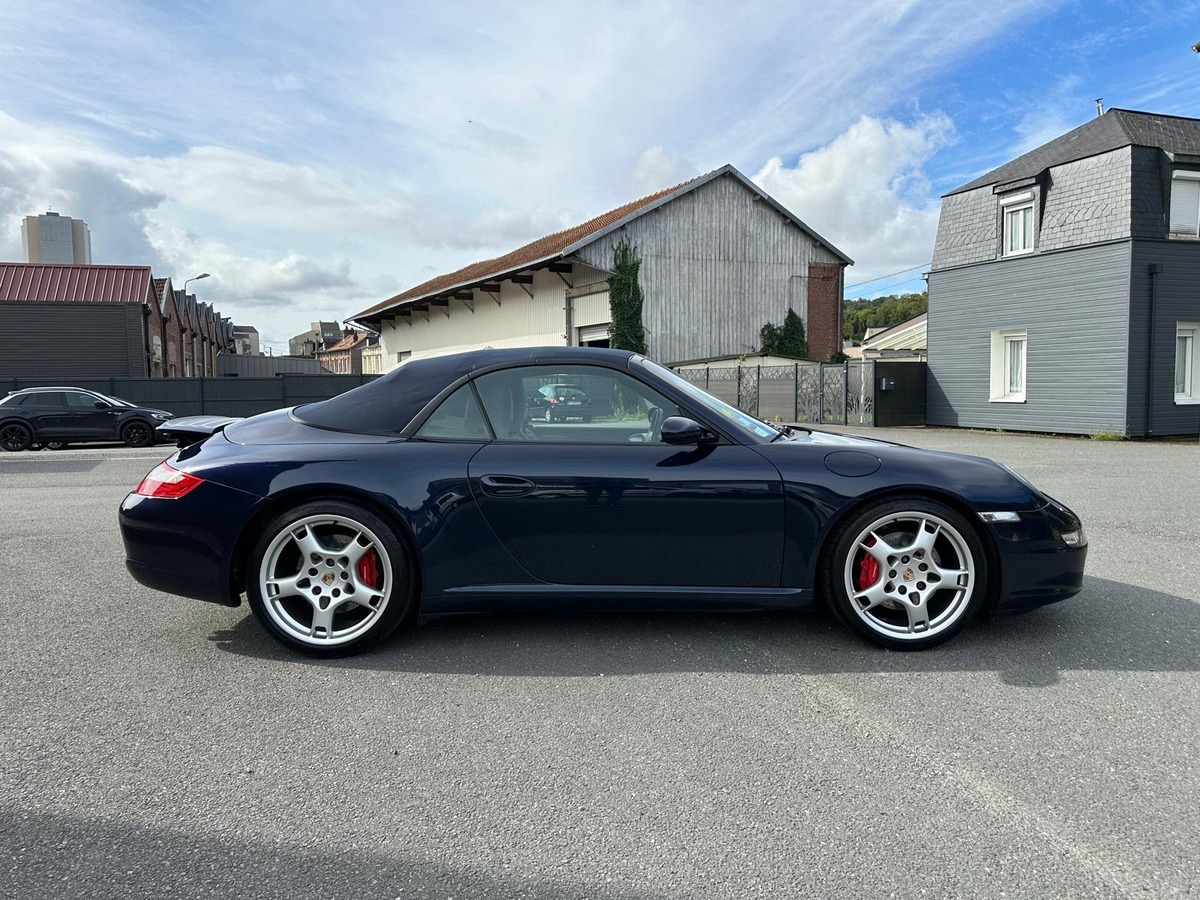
<point x="317" y="160"/>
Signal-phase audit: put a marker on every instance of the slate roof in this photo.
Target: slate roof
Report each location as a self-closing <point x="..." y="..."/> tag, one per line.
<point x="1116" y="128"/>
<point x="563" y="243"/>
<point x="62" y="283"/>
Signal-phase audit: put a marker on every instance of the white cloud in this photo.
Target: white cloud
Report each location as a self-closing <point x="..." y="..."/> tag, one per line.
<point x="866" y="191"/>
<point x="655" y="170"/>
<point x="332" y="158"/>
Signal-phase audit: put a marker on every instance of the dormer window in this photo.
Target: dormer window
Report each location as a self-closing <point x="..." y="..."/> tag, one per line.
<point x="1017" y="210"/>
<point x="1185" y="204"/>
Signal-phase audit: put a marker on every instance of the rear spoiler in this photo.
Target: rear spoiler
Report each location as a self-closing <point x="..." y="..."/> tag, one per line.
<point x="189" y="430"/>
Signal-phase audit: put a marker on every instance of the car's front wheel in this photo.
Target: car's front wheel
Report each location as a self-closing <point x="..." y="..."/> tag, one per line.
<point x="137" y="434"/>
<point x="329" y="578"/>
<point x="906" y="573"/>
<point x="15" y="437"/>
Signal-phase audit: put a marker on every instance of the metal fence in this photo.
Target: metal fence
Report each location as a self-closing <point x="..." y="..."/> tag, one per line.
<point x="210" y="396"/>
<point x="824" y="393"/>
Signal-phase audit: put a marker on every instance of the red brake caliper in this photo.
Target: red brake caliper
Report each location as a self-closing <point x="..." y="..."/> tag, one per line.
<point x="368" y="569"/>
<point x="868" y="570"/>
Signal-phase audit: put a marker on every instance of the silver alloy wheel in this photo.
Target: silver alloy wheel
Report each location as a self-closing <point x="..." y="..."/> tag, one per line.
<point x="910" y="575"/>
<point x="316" y="580"/>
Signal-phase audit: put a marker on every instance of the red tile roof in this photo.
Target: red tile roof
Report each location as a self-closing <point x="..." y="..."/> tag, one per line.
<point x="349" y="342"/>
<point x="24" y="282"/>
<point x="535" y="251"/>
<point x="563" y="243"/>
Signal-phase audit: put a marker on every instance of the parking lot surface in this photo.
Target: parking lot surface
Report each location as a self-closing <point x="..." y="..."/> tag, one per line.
<point x="156" y="746"/>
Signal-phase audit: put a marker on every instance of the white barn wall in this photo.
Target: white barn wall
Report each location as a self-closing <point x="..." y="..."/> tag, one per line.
<point x="717" y="264"/>
<point x="519" y="320"/>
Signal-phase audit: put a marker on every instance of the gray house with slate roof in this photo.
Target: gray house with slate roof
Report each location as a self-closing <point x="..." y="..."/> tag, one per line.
<point x="1064" y="293"/>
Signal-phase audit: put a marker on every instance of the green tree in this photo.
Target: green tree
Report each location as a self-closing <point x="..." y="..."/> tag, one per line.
<point x="626" y="331"/>
<point x="880" y="312"/>
<point x="786" y="340"/>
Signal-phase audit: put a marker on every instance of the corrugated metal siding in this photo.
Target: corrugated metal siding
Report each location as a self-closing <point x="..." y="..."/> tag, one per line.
<point x="231" y="364"/>
<point x="210" y="396"/>
<point x="67" y="341"/>
<point x="717" y="264"/>
<point x="1178" y="301"/>
<point x="1074" y="305"/>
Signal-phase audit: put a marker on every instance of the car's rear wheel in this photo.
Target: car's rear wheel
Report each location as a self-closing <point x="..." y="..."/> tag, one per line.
<point x="137" y="434"/>
<point x="906" y="573"/>
<point x="15" y="437"/>
<point x="329" y="578"/>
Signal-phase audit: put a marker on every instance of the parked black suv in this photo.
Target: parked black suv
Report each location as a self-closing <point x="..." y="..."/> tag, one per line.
<point x="61" y="415"/>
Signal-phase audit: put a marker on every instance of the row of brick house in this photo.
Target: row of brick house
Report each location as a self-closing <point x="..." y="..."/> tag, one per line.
<point x="86" y="321"/>
<point x="185" y="334"/>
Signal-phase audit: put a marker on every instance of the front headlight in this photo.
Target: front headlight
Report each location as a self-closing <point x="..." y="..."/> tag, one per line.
<point x="162" y="417"/>
<point x="1075" y="538"/>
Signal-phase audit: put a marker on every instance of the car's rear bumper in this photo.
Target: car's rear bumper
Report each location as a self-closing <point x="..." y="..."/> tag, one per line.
<point x="185" y="546"/>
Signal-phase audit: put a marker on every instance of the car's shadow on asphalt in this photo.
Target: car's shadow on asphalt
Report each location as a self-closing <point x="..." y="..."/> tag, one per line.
<point x="1110" y="626"/>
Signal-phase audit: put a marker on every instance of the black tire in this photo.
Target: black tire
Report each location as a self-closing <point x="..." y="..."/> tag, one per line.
<point x="938" y="573"/>
<point x="15" y="437"/>
<point x="57" y="445"/>
<point x="587" y="419"/>
<point x="286" y="615"/>
<point x="137" y="434"/>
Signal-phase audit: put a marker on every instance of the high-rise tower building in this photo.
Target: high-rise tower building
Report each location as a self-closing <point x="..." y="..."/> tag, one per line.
<point x="51" y="238"/>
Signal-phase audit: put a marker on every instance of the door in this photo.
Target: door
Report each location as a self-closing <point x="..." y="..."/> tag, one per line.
<point x="605" y="502"/>
<point x="47" y="413"/>
<point x="85" y="420"/>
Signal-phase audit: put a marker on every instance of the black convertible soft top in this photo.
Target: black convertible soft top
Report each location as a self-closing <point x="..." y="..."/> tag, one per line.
<point x="387" y="404"/>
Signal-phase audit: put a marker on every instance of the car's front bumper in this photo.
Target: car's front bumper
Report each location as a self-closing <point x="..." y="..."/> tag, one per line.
<point x="1037" y="566"/>
<point x="185" y="546"/>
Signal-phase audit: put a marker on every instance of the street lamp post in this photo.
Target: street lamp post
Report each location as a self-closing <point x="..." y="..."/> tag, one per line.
<point x="193" y="278"/>
<point x="184" y="292"/>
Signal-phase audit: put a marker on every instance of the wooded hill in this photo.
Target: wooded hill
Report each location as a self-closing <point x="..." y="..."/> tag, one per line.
<point x="859" y="315"/>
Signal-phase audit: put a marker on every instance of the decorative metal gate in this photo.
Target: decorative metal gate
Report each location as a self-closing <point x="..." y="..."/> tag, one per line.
<point x="823" y="393"/>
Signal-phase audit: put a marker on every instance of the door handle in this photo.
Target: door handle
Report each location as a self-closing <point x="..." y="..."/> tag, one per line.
<point x="506" y="485"/>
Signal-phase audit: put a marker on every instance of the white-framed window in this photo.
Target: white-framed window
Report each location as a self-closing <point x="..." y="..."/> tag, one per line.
<point x="1185" y="204"/>
<point x="1008" y="366"/>
<point x="1017" y="212"/>
<point x="1187" y="364"/>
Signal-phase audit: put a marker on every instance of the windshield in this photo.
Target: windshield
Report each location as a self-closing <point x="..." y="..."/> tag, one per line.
<point x="115" y="401"/>
<point x="719" y="408"/>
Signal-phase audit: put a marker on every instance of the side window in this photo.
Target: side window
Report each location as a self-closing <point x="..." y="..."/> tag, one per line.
<point x="572" y="404"/>
<point x="78" y="399"/>
<point x="45" y="398"/>
<point x="458" y="418"/>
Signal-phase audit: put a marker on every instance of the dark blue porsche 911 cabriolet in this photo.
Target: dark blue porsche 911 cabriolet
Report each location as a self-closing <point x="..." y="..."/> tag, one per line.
<point x="430" y="491"/>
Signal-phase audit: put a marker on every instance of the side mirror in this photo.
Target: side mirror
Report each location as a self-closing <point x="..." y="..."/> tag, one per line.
<point x="100" y="404"/>
<point x="681" y="430"/>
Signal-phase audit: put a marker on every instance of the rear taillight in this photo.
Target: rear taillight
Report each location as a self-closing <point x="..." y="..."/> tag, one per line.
<point x="167" y="483"/>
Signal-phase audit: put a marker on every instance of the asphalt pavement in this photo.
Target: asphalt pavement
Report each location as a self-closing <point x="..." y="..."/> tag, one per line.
<point x="160" y="747"/>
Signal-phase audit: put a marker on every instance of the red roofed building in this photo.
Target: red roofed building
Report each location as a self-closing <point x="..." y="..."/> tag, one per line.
<point x="345" y="357"/>
<point x="70" y="322"/>
<point x="720" y="258"/>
